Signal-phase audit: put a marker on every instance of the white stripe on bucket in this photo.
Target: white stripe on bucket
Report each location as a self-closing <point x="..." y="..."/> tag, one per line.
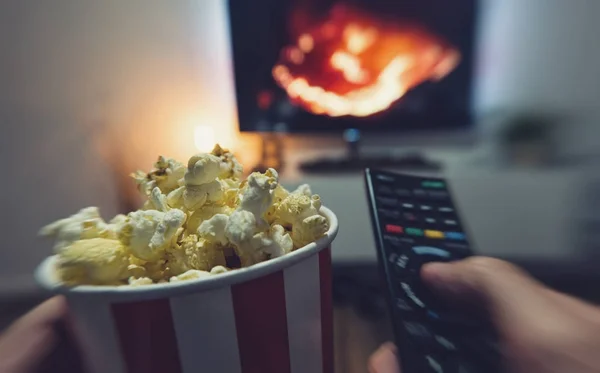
<point x="206" y="333"/>
<point x="96" y="335"/>
<point x="303" y="309"/>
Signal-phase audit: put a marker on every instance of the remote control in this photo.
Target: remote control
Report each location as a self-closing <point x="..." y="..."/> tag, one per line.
<point x="415" y="222"/>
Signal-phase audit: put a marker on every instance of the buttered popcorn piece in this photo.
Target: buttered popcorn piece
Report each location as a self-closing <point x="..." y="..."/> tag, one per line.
<point x="197" y="218"/>
<point x="258" y="195"/>
<point x="202" y="169"/>
<point x="140" y="281"/>
<point x="206" y="212"/>
<point x="165" y="175"/>
<point x="200" y="183"/>
<point x="147" y="233"/>
<point x="297" y="207"/>
<point x="213" y="230"/>
<point x="301" y="213"/>
<point x="218" y="269"/>
<point x="96" y="261"/>
<point x="230" y="167"/>
<point x="196" y="196"/>
<point x="309" y="230"/>
<point x="275" y="243"/>
<point x="86" y="223"/>
<point x="194" y="253"/>
<point x="192" y="274"/>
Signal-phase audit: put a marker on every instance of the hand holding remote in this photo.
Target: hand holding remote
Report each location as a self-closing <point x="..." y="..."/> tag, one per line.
<point x="540" y="330"/>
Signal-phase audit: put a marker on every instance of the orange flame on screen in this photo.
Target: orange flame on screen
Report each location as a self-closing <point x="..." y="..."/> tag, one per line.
<point x="354" y="64"/>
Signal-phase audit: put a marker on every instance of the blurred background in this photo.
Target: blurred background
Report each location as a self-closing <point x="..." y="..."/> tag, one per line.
<point x="502" y="97"/>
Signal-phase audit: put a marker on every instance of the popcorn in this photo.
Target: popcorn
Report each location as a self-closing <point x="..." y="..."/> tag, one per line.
<point x="97" y="261"/>
<point x="197" y="221"/>
<point x="87" y="223"/>
<point x="309" y="230"/>
<point x="140" y="281"/>
<point x="296" y="207"/>
<point x="148" y="232"/>
<point x="230" y="167"/>
<point x="194" y="253"/>
<point x="275" y="243"/>
<point x="201" y="184"/>
<point x="218" y="269"/>
<point x="192" y="274"/>
<point x="205" y="213"/>
<point x="202" y="169"/>
<point x="165" y="175"/>
<point x="258" y="196"/>
<point x="213" y="229"/>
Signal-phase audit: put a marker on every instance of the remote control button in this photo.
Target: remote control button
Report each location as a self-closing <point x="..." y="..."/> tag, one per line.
<point x="409" y="217"/>
<point x="420" y="193"/>
<point x="392" y="228"/>
<point x="409" y="293"/>
<point x="446" y="209"/>
<point x="385" y="178"/>
<point x="392" y="257"/>
<point x="402" y="305"/>
<point x="401" y="262"/>
<point x="414" y="232"/>
<point x="392" y="240"/>
<point x="408" y="206"/>
<point x="430" y="220"/>
<point x="390" y="214"/>
<point x="437" y="194"/>
<point x="433" y="184"/>
<point x="444" y="343"/>
<point x="388" y="201"/>
<point x="450" y="222"/>
<point x="425" y="208"/>
<point x="434" y="234"/>
<point x="458" y="236"/>
<point x="434" y="253"/>
<point x="418" y="332"/>
<point x="437" y="364"/>
<point x="403" y="193"/>
<point x="407" y="240"/>
<point x="385" y="189"/>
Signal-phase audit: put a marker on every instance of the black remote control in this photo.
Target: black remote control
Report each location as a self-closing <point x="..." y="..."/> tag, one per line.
<point x="415" y="222"/>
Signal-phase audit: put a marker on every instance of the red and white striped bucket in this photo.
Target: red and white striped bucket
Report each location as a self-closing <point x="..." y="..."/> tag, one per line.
<point x="273" y="317"/>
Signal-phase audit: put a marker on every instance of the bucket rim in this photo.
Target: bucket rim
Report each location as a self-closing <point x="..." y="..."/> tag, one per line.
<point x="46" y="278"/>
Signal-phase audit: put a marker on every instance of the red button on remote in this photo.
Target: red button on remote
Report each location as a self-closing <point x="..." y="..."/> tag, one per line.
<point x="391" y="228"/>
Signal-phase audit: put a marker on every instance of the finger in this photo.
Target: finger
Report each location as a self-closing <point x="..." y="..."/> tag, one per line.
<point x="508" y="293"/>
<point x="30" y="339"/>
<point x="384" y="360"/>
<point x="49" y="312"/>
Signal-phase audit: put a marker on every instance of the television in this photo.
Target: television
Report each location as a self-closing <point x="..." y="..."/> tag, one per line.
<point x="376" y="66"/>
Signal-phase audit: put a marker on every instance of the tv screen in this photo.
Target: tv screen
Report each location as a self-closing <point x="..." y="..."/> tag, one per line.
<point x="373" y="65"/>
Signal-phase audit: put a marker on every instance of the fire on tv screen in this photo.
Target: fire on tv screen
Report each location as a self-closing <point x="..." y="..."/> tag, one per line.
<point x="375" y="65"/>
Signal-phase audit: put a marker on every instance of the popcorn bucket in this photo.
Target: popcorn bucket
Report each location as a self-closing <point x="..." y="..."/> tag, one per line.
<point x="272" y="317"/>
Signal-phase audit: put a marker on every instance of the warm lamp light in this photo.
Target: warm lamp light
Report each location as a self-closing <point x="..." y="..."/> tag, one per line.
<point x="204" y="138"/>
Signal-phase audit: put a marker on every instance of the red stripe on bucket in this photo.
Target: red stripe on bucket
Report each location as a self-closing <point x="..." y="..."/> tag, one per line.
<point x="261" y="324"/>
<point x="147" y="336"/>
<point x="326" y="309"/>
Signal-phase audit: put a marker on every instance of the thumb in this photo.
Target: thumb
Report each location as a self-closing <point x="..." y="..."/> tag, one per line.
<point x="504" y="290"/>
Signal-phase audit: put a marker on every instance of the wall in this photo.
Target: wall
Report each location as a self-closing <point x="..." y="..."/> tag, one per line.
<point x="89" y="88"/>
<point x="543" y="54"/>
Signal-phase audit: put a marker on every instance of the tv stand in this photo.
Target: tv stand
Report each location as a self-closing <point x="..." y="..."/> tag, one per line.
<point x="353" y="161"/>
